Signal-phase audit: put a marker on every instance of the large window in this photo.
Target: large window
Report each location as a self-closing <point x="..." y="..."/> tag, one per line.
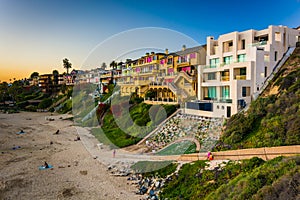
<point x="227" y="60"/>
<point x="211" y="76"/>
<point x="212" y="92"/>
<point x="225" y="92"/>
<point x="242" y="58"/>
<point x="214" y="62"/>
<point x="245" y="91"/>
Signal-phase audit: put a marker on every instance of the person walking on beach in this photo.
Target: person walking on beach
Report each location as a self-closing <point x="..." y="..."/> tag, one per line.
<point x="114" y="153"/>
<point x="208" y="155"/>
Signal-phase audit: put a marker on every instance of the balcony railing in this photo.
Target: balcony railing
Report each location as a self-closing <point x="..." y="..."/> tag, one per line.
<point x="225" y="78"/>
<point x="216" y="100"/>
<point x="142" y="82"/>
<point x="240" y="77"/>
<point x="210" y="66"/>
<point x="225" y="100"/>
<point x="125" y="82"/>
<point x="259" y="43"/>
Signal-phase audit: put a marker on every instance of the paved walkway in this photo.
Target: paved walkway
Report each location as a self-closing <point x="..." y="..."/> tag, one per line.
<point x="125" y="158"/>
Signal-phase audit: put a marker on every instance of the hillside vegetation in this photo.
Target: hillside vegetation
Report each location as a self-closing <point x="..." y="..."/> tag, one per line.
<point x="247" y="179"/>
<point x="142" y="125"/>
<point x="274" y="118"/>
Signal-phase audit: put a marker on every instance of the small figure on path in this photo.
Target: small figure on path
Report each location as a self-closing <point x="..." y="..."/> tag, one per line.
<point x="114" y="153"/>
<point x="211" y="157"/>
<point x="208" y="155"/>
<point x="57" y="132"/>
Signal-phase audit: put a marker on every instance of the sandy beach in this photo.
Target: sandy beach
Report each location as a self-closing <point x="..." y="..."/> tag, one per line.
<point x="75" y="174"/>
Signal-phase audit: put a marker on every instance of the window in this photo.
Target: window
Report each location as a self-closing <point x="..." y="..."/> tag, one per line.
<point x="242" y="58"/>
<point x="275" y="56"/>
<point x="211" y="76"/>
<point x="227" y="60"/>
<point x="214" y="62"/>
<point x="266" y="71"/>
<point x="278" y="36"/>
<point x="225" y="92"/>
<point x="245" y="91"/>
<point x="266" y="58"/>
<point x="212" y="92"/>
<point x="243" y="71"/>
<point x="243" y="44"/>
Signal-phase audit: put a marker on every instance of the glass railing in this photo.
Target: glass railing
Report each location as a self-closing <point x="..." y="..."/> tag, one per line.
<point x="210" y="66"/>
<point x="259" y="43"/>
<point x="225" y="100"/>
<point x="240" y="77"/>
<point x="225" y="78"/>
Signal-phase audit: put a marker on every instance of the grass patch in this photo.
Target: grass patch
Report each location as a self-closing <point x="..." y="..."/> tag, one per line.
<point x="183" y="147"/>
<point x="155" y="168"/>
<point x="142" y="124"/>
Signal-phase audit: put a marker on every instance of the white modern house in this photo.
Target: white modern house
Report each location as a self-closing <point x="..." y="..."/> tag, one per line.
<point x="237" y="66"/>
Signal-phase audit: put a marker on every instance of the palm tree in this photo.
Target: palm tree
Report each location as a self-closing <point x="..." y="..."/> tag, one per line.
<point x="67" y="64"/>
<point x="113" y="65"/>
<point x="55" y="74"/>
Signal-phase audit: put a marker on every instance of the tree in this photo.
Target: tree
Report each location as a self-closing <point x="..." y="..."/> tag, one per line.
<point x="103" y="66"/>
<point x="34" y="75"/>
<point x="55" y="74"/>
<point x="67" y="64"/>
<point x="113" y="65"/>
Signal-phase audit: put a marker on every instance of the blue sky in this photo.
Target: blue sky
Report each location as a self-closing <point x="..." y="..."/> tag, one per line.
<point x="36" y="35"/>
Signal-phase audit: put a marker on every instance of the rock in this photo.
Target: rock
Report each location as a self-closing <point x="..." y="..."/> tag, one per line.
<point x="83" y="172"/>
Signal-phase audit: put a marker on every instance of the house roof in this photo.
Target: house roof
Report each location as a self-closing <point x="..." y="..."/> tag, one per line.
<point x="189" y="50"/>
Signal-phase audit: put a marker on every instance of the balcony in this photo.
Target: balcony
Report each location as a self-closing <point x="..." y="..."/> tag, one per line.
<point x="210" y="66"/>
<point x="142" y="82"/>
<point x="147" y="63"/>
<point x="240" y="77"/>
<point x="259" y="43"/>
<point x="183" y="63"/>
<point x="225" y="78"/>
<point x="120" y="82"/>
<point x="225" y="100"/>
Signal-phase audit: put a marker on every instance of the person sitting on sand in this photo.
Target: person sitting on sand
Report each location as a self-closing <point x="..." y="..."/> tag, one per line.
<point x="57" y="132"/>
<point x="46" y="165"/>
<point x="21" y="131"/>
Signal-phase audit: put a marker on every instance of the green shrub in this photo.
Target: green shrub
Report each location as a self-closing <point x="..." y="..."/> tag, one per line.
<point x="45" y="103"/>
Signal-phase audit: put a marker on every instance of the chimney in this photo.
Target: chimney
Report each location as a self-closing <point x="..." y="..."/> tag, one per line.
<point x="183" y="47"/>
<point x="167" y="51"/>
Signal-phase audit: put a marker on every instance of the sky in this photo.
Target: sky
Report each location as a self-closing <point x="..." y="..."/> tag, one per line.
<point x="36" y="35"/>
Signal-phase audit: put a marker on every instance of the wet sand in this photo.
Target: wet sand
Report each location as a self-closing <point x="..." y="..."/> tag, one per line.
<point x="76" y="174"/>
